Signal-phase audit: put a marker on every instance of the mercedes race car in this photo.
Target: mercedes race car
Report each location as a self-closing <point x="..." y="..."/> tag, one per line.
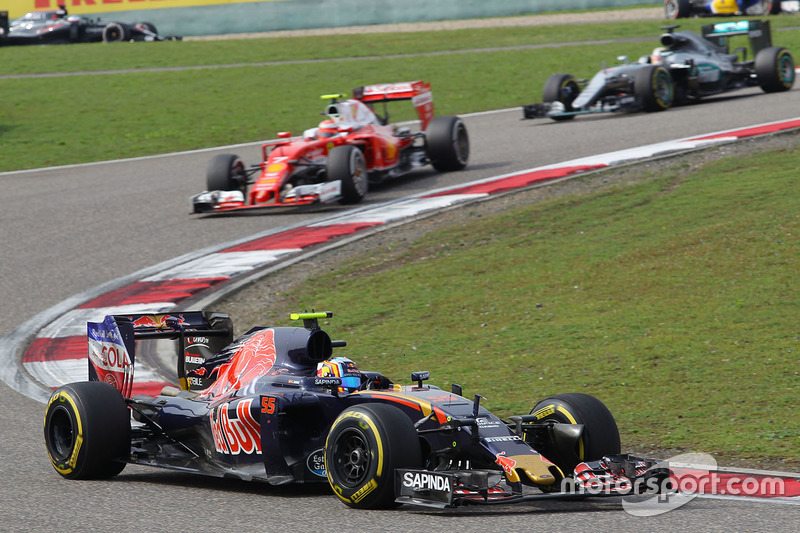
<point x="275" y="405"/>
<point x="56" y="26"/>
<point x="674" y="9"/>
<point x="336" y="162"/>
<point x="685" y="68"/>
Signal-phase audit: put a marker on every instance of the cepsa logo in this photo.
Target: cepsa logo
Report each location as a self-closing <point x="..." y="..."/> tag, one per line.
<point x="240" y="433"/>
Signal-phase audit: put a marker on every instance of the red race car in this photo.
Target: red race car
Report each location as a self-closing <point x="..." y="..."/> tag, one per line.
<point x="334" y="162"/>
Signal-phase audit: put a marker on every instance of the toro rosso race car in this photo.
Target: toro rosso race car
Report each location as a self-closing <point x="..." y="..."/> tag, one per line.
<point x="276" y="406"/>
<point x="56" y="26"/>
<point x="674" y="9"/>
<point x="336" y="161"/>
<point x="685" y="68"/>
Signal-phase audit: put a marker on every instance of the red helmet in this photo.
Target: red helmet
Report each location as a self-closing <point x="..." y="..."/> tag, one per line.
<point x="327" y="128"/>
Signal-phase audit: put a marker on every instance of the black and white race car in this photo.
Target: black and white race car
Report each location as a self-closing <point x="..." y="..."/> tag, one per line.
<point x="686" y="67"/>
<point x="56" y="26"/>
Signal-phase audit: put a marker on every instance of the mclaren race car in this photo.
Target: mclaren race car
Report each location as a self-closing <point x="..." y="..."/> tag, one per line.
<point x="275" y="405"/>
<point x="685" y="68"/>
<point x="56" y="26"/>
<point x="335" y="162"/>
<point x="674" y="9"/>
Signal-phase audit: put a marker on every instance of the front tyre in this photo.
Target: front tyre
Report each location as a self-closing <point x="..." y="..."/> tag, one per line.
<point x="447" y="143"/>
<point x="365" y="445"/>
<point x="653" y="88"/>
<point x="600" y="434"/>
<point x="774" y="68"/>
<point x="225" y="172"/>
<point x="87" y="430"/>
<point x="114" y="31"/>
<point x="561" y="88"/>
<point x="346" y="163"/>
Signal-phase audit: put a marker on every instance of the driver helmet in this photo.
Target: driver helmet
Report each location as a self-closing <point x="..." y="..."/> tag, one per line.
<point x="341" y="367"/>
<point x="327" y="128"/>
<point x="657" y="56"/>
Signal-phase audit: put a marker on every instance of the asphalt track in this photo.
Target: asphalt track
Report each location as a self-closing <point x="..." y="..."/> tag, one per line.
<point x="70" y="229"/>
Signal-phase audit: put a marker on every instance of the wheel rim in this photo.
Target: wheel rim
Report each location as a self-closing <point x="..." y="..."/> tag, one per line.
<point x="671" y="9"/>
<point x="461" y="144"/>
<point x="351" y="458"/>
<point x="663" y="88"/>
<point x="786" y="68"/>
<point x="358" y="169"/>
<point x="60" y="435"/>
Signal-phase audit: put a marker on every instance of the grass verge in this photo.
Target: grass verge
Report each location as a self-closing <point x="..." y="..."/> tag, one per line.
<point x="673" y="299"/>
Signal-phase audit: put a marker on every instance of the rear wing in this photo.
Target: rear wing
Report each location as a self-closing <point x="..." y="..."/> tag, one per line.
<point x="113" y="344"/>
<point x="418" y="92"/>
<point x="758" y="31"/>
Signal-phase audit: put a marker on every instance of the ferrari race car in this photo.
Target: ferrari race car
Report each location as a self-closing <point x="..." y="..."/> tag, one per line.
<point x="674" y="9"/>
<point x="336" y="161"/>
<point x="57" y="27"/>
<point x="276" y="406"/>
<point x="685" y="68"/>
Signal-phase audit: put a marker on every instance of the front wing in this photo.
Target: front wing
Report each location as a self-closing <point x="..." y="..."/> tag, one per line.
<point x="615" y="475"/>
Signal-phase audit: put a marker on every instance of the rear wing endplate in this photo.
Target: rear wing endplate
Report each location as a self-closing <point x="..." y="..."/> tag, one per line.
<point x="112" y="343"/>
<point x="418" y="92"/>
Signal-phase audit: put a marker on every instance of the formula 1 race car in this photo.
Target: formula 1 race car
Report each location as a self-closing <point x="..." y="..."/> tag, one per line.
<point x="56" y="26"/>
<point x="276" y="406"/>
<point x="674" y="9"/>
<point x="685" y="68"/>
<point x="352" y="148"/>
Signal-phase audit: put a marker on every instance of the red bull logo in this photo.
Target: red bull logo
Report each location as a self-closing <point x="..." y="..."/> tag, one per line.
<point x="158" y="321"/>
<point x="253" y="360"/>
<point x="506" y="463"/>
<point x="235" y="430"/>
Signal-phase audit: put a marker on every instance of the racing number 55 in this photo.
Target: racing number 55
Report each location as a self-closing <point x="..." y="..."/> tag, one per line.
<point x="268" y="405"/>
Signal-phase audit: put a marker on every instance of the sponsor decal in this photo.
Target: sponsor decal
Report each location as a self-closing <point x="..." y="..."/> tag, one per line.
<point x="108" y="355"/>
<point x="419" y="481"/>
<point x="234" y="428"/>
<point x="316" y="462"/>
<point x="252" y="360"/>
<point x="194" y="359"/>
<point x="507" y="438"/>
<point x="158" y="321"/>
<point x="506" y="463"/>
<point x="365" y="490"/>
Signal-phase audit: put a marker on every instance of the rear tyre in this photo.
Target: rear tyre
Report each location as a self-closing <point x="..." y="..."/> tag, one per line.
<point x="364" y="447"/>
<point x="653" y="88"/>
<point x="226" y="173"/>
<point x="600" y="434"/>
<point x="561" y="88"/>
<point x="774" y="68"/>
<point x="114" y="31"/>
<point x="87" y="430"/>
<point x="677" y="9"/>
<point x="347" y="163"/>
<point x="447" y="143"/>
<point x="775" y="9"/>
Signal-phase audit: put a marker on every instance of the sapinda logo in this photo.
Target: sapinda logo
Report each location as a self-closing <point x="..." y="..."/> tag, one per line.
<point x="425" y="481"/>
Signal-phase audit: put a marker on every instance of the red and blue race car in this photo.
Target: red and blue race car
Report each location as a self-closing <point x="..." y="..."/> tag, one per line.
<point x="335" y="162"/>
<point x="276" y="405"/>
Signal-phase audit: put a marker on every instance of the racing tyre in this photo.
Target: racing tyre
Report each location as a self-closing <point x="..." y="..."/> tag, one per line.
<point x="226" y="173"/>
<point x="561" y="88"/>
<point x="600" y="434"/>
<point x="774" y="68"/>
<point x="87" y="430"/>
<point x="677" y="9"/>
<point x="114" y="31"/>
<point x="447" y="143"/>
<point x="347" y="163"/>
<point x="364" y="447"/>
<point x="653" y="88"/>
<point x="775" y="9"/>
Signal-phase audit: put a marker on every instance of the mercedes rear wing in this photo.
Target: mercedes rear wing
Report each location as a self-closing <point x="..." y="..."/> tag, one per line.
<point x="418" y="92"/>
<point x="113" y="343"/>
<point x="758" y="31"/>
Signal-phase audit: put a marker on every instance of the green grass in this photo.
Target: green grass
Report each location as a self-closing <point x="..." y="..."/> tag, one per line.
<point x="674" y="300"/>
<point x="62" y="120"/>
